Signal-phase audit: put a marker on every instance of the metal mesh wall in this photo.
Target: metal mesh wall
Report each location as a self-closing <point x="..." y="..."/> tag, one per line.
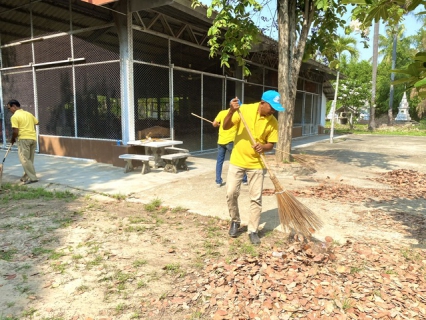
<point x="19" y="86"/>
<point x="96" y="45"/>
<point x="213" y="100"/>
<point x="252" y="93"/>
<point x="98" y="101"/>
<point x="150" y="49"/>
<point x="19" y="55"/>
<point x="152" y="101"/>
<point x="55" y="101"/>
<point x="52" y="49"/>
<point x="187" y="100"/>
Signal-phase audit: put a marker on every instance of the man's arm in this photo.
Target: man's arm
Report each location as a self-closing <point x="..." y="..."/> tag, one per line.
<point x="262" y="148"/>
<point x="234" y="105"/>
<point x="15" y="133"/>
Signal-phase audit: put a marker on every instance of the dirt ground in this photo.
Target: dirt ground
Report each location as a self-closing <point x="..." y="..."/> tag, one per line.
<point x="88" y="256"/>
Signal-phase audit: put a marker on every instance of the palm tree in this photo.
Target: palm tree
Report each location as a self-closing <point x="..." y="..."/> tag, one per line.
<point x="335" y="54"/>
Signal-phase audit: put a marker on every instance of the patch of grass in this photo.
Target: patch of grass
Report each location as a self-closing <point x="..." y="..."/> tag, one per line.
<point x="77" y="257"/>
<point x="389" y="271"/>
<point x="8" y="318"/>
<point x="396" y="130"/>
<point x="175" y="269"/>
<point x="179" y="209"/>
<point x="153" y="205"/>
<point x="82" y="288"/>
<point x="95" y="262"/>
<point x="355" y="270"/>
<point x="240" y="248"/>
<point x="139" y="263"/>
<point x="64" y="222"/>
<point x="39" y="251"/>
<point x="16" y="192"/>
<point x="119" y="196"/>
<point x="347" y="304"/>
<point x="58" y="267"/>
<point x="137" y="220"/>
<point x="142" y="284"/>
<point x="7" y="255"/>
<point x="410" y="254"/>
<point x="23" y="289"/>
<point x="29" y="313"/>
<point x="138" y="229"/>
<point x="23" y="267"/>
<point x="54" y="255"/>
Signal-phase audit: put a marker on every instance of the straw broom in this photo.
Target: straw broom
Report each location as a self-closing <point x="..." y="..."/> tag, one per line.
<point x="292" y="213"/>
<point x="1" y="165"/>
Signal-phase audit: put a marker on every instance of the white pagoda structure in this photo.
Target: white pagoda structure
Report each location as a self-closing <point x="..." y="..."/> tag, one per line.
<point x="403" y="110"/>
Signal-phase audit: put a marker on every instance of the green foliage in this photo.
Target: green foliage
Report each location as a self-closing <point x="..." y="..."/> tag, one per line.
<point x="354" y="94"/>
<point x="233" y="31"/>
<point x="334" y="52"/>
<point x="416" y="72"/>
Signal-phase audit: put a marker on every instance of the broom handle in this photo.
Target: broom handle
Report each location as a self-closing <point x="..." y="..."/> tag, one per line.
<point x="8" y="149"/>
<point x="201" y="117"/>
<point x="262" y="155"/>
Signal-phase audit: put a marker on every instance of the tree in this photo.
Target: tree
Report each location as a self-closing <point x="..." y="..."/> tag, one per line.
<point x="334" y="54"/>
<point x="393" y="12"/>
<point x="234" y="33"/>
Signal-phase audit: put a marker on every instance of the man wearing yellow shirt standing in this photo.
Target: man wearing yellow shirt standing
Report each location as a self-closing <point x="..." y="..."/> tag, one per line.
<point x="225" y="142"/>
<point x="23" y="131"/>
<point x="245" y="157"/>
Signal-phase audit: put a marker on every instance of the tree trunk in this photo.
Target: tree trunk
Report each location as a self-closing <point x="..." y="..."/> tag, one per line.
<point x="372" y="123"/>
<point x="390" y="111"/>
<point x="290" y="54"/>
<point x="333" y="108"/>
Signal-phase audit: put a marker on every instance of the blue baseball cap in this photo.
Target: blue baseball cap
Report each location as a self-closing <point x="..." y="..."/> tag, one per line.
<point x="273" y="98"/>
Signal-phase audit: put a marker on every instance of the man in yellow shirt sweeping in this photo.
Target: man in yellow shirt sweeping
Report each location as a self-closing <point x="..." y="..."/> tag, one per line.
<point x="245" y="157"/>
<point x="23" y="131"/>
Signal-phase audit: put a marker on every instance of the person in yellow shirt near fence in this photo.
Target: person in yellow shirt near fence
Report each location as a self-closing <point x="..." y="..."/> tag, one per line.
<point x="225" y="142"/>
<point x="24" y="133"/>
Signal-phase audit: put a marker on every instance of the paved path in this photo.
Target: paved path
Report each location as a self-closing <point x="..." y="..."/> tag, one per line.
<point x="196" y="190"/>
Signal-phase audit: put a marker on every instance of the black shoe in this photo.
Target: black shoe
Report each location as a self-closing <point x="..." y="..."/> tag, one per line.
<point x="254" y="238"/>
<point x="30" y="181"/>
<point x="233" y="230"/>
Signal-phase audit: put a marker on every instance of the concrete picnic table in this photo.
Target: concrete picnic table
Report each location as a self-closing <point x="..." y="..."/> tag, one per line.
<point x="155" y="147"/>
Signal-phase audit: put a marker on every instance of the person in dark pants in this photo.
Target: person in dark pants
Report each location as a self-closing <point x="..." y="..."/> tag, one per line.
<point x="245" y="157"/>
<point x="24" y="133"/>
<point x="225" y="142"/>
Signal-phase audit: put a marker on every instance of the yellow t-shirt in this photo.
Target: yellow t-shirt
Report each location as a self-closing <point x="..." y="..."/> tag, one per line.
<point x="25" y="122"/>
<point x="225" y="136"/>
<point x="263" y="129"/>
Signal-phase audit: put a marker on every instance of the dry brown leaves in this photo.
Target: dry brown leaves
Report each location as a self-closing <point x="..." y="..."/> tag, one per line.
<point x="410" y="184"/>
<point x="404" y="183"/>
<point x="305" y="280"/>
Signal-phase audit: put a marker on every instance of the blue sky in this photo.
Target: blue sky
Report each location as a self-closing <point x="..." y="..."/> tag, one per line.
<point x="269" y="10"/>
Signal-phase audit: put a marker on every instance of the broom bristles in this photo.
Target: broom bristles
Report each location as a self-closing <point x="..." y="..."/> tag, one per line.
<point x="293" y="213"/>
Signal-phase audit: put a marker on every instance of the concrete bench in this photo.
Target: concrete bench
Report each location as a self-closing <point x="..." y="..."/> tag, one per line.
<point x="141" y="157"/>
<point x="175" y="161"/>
<point x="171" y="150"/>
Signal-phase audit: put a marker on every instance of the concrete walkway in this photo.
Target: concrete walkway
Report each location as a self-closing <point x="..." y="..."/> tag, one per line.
<point x="194" y="189"/>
